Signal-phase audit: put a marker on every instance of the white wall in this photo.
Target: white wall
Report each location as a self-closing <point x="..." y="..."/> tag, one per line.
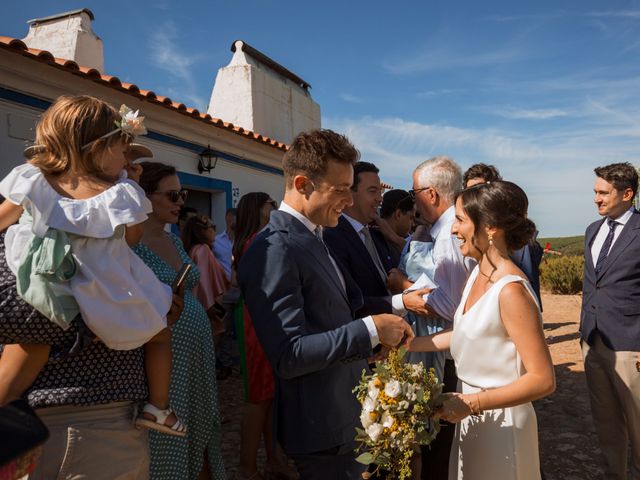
<point x="254" y="96"/>
<point x="35" y="79"/>
<point x="68" y="37"/>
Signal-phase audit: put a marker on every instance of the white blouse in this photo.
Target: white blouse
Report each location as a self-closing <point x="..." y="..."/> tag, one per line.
<point x="120" y="298"/>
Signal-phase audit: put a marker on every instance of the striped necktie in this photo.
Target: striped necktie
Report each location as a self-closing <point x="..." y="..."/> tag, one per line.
<point x="606" y="246"/>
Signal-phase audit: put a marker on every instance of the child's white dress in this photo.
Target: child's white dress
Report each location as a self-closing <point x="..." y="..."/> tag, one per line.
<point x="120" y="298"/>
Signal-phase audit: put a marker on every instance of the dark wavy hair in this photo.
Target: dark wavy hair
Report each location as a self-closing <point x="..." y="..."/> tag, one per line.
<point x="153" y="173"/>
<point x="396" y="200"/>
<point x="502" y="205"/>
<point x="488" y="173"/>
<point x="620" y="175"/>
<point x="194" y="232"/>
<point x="310" y="153"/>
<point x="247" y="221"/>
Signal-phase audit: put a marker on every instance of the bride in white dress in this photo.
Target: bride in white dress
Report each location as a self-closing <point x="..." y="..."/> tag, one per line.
<point x="502" y="359"/>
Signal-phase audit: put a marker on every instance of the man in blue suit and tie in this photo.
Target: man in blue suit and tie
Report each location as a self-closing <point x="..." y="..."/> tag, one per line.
<point x="610" y="319"/>
<point x="302" y="307"/>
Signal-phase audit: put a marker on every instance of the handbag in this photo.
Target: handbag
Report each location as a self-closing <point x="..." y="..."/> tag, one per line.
<point x="21" y="430"/>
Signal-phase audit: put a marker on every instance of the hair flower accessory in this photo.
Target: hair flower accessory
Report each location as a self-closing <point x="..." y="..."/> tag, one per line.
<point x="130" y="124"/>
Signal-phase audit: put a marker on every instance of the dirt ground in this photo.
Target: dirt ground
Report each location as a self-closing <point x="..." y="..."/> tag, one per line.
<point x="568" y="444"/>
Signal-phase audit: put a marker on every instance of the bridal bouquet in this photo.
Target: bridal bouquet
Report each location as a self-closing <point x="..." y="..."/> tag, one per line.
<point x="398" y="401"/>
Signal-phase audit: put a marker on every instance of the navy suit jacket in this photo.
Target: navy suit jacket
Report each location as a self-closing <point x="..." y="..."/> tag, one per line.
<point x="611" y="299"/>
<point x="389" y="254"/>
<point x="304" y="321"/>
<point x="348" y="249"/>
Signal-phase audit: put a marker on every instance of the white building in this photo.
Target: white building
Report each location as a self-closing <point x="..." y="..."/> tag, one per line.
<point x="62" y="55"/>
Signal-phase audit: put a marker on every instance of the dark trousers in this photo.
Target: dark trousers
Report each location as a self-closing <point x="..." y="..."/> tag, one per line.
<point x="337" y="463"/>
<point x="435" y="457"/>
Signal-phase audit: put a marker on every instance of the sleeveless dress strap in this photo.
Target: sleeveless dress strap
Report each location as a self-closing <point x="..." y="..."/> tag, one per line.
<point x="525" y="282"/>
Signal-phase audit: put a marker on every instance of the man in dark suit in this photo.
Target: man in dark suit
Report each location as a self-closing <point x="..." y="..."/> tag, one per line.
<point x="610" y="319"/>
<point x="299" y="304"/>
<point x="352" y="244"/>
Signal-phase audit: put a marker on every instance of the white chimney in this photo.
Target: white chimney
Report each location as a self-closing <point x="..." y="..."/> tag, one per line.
<point x="68" y="35"/>
<point x="260" y="95"/>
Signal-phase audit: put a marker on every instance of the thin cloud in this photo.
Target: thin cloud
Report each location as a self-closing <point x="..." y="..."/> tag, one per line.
<point x="555" y="169"/>
<point x="347" y="97"/>
<point x="446" y="59"/>
<point x="162" y="4"/>
<point x="529" y="17"/>
<point x="632" y="14"/>
<point x="178" y="63"/>
<point x="435" y="93"/>
<point x="540" y="114"/>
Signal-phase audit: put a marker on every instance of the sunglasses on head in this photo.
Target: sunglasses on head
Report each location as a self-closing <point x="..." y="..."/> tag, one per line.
<point x="174" y="195"/>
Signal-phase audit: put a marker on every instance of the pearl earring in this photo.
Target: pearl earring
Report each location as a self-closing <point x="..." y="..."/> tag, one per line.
<point x="490" y="238"/>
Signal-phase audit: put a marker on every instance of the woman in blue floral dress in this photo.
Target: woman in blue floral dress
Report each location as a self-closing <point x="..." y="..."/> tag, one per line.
<point x="193" y="392"/>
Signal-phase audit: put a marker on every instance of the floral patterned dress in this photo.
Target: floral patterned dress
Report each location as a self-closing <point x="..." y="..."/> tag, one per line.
<point x="194" y="392"/>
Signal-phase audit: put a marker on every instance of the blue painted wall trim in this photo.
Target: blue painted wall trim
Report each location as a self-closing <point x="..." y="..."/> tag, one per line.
<point x="200" y="182"/>
<point x="30" y="101"/>
<point x="194" y="147"/>
<point x="23" y="99"/>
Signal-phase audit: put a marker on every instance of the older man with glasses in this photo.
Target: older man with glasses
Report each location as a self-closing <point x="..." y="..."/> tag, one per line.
<point x="435" y="184"/>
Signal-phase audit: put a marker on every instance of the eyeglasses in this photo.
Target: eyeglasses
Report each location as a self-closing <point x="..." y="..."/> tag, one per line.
<point x="414" y="192"/>
<point x="174" y="195"/>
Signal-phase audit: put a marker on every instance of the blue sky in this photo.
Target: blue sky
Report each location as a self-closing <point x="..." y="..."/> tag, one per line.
<point x="544" y="90"/>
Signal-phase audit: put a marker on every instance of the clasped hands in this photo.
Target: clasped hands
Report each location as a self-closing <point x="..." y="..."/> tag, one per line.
<point x="455" y="407"/>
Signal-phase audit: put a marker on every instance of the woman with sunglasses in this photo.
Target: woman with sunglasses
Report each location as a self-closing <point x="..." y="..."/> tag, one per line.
<point x="193" y="392"/>
<point x="198" y="235"/>
<point x="254" y="211"/>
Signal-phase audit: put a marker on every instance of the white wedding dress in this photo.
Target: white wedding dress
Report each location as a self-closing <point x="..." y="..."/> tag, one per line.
<point x="500" y="444"/>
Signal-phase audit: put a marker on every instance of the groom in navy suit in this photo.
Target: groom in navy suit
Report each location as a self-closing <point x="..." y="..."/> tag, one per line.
<point x="610" y="319"/>
<point x="299" y="301"/>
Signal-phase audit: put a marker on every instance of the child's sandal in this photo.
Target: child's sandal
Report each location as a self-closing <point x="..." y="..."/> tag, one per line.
<point x="178" y="429"/>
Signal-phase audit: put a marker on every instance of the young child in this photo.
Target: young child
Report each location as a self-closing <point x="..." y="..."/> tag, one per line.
<point x="81" y="209"/>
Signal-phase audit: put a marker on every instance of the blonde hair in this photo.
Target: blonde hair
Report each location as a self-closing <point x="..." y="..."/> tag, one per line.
<point x="69" y="124"/>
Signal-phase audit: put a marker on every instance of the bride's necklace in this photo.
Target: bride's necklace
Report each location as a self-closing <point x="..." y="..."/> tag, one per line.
<point x="488" y="277"/>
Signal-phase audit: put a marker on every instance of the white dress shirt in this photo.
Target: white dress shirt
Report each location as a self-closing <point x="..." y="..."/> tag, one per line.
<point x="368" y="321"/>
<point x="604" y="231"/>
<point x="450" y="274"/>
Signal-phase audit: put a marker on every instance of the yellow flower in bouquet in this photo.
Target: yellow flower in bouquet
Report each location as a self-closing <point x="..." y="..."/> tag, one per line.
<point x="398" y="402"/>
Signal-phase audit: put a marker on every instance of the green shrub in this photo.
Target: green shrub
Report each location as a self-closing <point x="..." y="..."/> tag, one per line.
<point x="562" y="275"/>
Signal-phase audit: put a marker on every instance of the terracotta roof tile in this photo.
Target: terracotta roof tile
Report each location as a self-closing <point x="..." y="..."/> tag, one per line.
<point x="18" y="46"/>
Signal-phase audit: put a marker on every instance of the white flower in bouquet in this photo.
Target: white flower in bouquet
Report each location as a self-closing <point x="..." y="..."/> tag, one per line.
<point x="366" y="419"/>
<point x="387" y="420"/>
<point x="374" y="430"/>
<point x="392" y="388"/>
<point x="373" y="391"/>
<point x="369" y="405"/>
<point x="398" y="401"/>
